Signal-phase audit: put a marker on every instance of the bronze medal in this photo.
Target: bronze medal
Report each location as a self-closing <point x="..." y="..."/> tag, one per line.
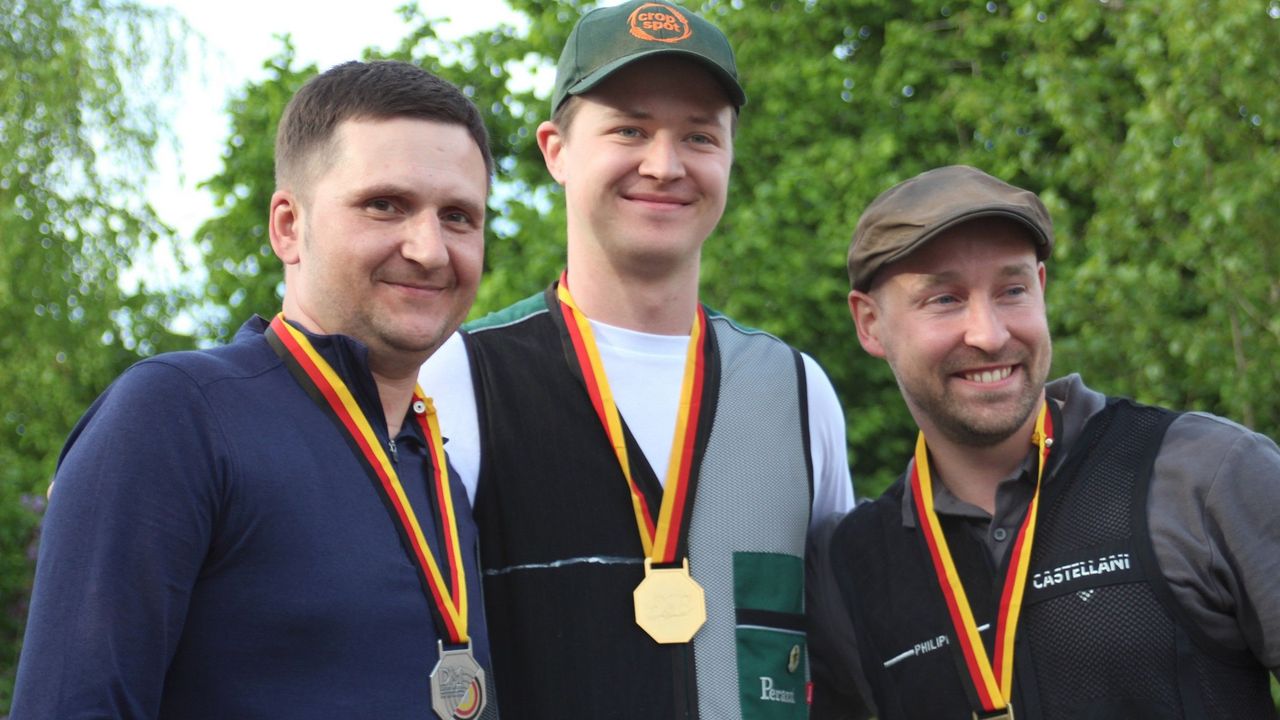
<point x="670" y="605"/>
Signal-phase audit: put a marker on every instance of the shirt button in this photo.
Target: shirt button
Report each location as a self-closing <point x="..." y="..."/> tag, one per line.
<point x="1000" y="534"/>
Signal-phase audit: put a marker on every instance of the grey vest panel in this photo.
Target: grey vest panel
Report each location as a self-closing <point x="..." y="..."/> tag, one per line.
<point x="753" y="497"/>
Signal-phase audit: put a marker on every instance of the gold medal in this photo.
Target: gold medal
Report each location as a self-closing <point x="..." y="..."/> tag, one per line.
<point x="670" y="605"/>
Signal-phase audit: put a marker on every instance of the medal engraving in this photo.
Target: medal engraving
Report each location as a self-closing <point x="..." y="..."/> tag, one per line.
<point x="457" y="685"/>
<point x="670" y="605"/>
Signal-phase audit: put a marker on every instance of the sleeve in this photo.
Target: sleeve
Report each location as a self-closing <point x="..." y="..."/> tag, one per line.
<point x="838" y="683"/>
<point x="128" y="525"/>
<point x="832" y="482"/>
<point x="446" y="378"/>
<point x="1216" y="531"/>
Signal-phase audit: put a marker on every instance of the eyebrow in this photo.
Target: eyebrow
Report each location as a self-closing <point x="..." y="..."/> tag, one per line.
<point x="379" y="189"/>
<point x="390" y="189"/>
<point x="1012" y="270"/>
<point x="1017" y="269"/>
<point x="638" y="114"/>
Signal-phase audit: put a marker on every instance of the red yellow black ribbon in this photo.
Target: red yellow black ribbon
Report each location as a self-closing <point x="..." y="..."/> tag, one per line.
<point x="993" y="683"/>
<point x="661" y="538"/>
<point x="449" y="597"/>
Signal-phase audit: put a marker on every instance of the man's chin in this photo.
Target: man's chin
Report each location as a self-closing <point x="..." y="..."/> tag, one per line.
<point x="978" y="436"/>
<point x="412" y="341"/>
<point x="986" y="429"/>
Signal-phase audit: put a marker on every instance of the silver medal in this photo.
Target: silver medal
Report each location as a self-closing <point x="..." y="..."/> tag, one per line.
<point x="457" y="685"/>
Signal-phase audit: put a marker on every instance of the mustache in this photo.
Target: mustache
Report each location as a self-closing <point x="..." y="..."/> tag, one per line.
<point x="967" y="360"/>
<point x="429" y="281"/>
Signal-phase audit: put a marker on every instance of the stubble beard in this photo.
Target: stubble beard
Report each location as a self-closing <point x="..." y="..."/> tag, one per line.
<point x="409" y="342"/>
<point x="973" y="422"/>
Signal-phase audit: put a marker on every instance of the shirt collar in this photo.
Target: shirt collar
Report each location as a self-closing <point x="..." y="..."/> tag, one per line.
<point x="1077" y="404"/>
<point x="350" y="360"/>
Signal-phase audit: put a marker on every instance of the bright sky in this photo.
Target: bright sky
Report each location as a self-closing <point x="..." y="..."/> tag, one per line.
<point x="238" y="37"/>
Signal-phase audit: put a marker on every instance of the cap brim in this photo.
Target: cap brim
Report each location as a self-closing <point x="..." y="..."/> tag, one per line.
<point x="732" y="88"/>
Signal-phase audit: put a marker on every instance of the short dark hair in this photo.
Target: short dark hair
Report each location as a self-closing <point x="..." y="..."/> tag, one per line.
<point x="379" y="90"/>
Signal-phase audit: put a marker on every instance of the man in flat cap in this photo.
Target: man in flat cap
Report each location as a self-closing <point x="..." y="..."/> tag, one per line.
<point x="1050" y="552"/>
<point x="645" y="470"/>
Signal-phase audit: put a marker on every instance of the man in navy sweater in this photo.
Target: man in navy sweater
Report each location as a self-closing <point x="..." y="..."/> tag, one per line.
<point x="269" y="529"/>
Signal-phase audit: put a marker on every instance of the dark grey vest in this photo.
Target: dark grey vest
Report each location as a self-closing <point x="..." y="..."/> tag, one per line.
<point x="1100" y="635"/>
<point x="560" y="550"/>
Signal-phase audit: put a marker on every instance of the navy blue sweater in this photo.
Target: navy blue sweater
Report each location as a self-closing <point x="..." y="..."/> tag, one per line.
<point x="213" y="549"/>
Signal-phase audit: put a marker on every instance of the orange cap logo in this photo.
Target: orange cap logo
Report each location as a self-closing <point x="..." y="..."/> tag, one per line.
<point x="659" y="23"/>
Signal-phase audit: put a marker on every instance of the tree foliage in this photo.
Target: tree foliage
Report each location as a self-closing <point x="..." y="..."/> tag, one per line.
<point x="244" y="276"/>
<point x="1150" y="130"/>
<point x="76" y="135"/>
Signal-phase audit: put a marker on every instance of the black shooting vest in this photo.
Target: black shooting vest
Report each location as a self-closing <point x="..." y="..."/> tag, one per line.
<point x="561" y="554"/>
<point x="1100" y="637"/>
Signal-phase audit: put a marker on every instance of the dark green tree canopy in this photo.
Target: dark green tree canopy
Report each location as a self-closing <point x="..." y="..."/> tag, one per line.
<point x="79" y="82"/>
<point x="1151" y="131"/>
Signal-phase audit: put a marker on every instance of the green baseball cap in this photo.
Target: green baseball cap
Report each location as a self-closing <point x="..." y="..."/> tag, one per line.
<point x="608" y="39"/>
<point x="913" y="212"/>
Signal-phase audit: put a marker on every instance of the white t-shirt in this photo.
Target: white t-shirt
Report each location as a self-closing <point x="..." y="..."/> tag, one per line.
<point x="645" y="372"/>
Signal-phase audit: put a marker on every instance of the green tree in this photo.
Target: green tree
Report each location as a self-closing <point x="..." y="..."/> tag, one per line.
<point x="76" y="136"/>
<point x="244" y="276"/>
<point x="1149" y="130"/>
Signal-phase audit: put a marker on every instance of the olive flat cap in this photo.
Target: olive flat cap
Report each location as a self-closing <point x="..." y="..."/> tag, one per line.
<point x="913" y="212"/>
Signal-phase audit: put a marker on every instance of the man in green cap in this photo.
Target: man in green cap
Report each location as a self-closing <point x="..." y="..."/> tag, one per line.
<point x="1050" y="552"/>
<point x="645" y="471"/>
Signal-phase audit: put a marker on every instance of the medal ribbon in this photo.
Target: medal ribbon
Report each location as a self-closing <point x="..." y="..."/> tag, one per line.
<point x="449" y="598"/>
<point x="994" y="686"/>
<point x="659" y="539"/>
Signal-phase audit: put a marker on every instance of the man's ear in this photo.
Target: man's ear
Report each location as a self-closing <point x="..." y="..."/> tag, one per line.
<point x="551" y="143"/>
<point x="866" y="316"/>
<point x="285" y="226"/>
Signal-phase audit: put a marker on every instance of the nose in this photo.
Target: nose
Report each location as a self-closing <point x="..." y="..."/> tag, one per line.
<point x="985" y="329"/>
<point x="424" y="243"/>
<point x="661" y="159"/>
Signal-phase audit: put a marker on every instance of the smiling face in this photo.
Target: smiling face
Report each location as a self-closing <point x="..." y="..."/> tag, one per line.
<point x="961" y="321"/>
<point x="386" y="244"/>
<point x="645" y="166"/>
